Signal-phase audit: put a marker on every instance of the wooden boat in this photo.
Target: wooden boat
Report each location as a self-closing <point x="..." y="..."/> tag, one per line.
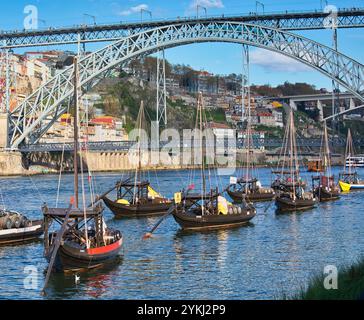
<point x="294" y="202"/>
<point x="248" y="187"/>
<point x="323" y="185"/>
<point x="315" y="166"/>
<point x="137" y="198"/>
<point x="350" y="181"/>
<point x="80" y="249"/>
<point x="349" y="178"/>
<point x="291" y="195"/>
<point x="83" y="241"/>
<point x="16" y="228"/>
<point x="211" y="211"/>
<point x="250" y="190"/>
<point x="325" y="189"/>
<point x="208" y="210"/>
<point x="284" y="182"/>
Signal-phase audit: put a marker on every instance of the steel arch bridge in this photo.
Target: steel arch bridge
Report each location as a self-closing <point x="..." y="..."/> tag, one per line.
<point x="33" y="117"/>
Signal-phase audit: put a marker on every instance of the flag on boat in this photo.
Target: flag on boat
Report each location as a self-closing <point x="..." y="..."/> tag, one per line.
<point x="152" y="193"/>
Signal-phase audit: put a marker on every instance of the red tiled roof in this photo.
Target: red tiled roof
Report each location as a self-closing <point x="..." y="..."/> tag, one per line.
<point x="265" y="114"/>
<point x="215" y="125"/>
<point x="103" y="120"/>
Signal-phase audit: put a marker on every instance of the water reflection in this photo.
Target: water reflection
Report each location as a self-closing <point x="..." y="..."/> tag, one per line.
<point x="92" y="283"/>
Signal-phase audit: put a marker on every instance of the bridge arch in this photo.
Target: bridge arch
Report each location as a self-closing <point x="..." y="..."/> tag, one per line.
<point x="27" y="122"/>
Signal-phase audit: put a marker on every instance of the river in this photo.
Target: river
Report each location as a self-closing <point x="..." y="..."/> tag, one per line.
<point x="272" y="257"/>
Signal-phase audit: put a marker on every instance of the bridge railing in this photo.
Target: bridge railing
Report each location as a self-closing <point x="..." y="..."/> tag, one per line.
<point x="127" y="145"/>
<point x="146" y="22"/>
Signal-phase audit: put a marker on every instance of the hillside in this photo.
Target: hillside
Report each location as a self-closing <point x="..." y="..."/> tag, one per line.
<point x="122" y="93"/>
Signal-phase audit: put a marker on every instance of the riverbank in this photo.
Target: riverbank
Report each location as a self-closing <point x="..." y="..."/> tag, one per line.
<point x="350" y="285"/>
<point x="39" y="171"/>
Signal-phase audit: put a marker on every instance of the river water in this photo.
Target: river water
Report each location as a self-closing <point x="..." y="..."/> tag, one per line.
<point x="272" y="257"/>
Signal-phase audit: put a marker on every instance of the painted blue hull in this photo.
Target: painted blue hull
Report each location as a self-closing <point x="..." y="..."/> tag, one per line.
<point x="356" y="186"/>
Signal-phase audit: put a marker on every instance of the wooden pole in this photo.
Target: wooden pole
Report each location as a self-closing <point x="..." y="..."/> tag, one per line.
<point x="75" y="132"/>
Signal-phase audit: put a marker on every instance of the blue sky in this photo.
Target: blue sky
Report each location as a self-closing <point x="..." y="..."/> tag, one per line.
<point x="217" y="58"/>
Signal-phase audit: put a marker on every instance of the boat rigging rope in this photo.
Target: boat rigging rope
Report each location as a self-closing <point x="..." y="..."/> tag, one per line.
<point x="84" y="200"/>
<point x="154" y="169"/>
<point x="62" y="159"/>
<point x="37" y="189"/>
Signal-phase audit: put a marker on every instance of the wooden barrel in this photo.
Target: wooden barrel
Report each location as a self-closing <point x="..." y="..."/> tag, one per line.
<point x="5" y="222"/>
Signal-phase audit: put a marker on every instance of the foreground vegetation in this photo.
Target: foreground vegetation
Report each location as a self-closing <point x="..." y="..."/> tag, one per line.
<point x="350" y="285"/>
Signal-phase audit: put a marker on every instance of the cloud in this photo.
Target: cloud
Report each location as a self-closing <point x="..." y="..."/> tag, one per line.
<point x="207" y="4"/>
<point x="133" y="10"/>
<point x="275" y="62"/>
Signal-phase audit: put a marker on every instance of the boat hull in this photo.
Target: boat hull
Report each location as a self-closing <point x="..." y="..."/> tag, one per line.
<point x="20" y="235"/>
<point x="152" y="209"/>
<point x="238" y="196"/>
<point x="286" y="204"/>
<point x="346" y="187"/>
<point x="193" y="222"/>
<point x="324" y="195"/>
<point x="71" y="258"/>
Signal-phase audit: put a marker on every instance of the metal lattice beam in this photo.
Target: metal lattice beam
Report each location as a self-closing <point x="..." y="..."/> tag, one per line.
<point x="161" y="90"/>
<point x="310" y="20"/>
<point x="27" y="121"/>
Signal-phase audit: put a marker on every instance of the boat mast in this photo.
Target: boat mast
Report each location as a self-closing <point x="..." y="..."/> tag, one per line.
<point x="348" y="152"/>
<point x="200" y="107"/>
<point x="293" y="154"/>
<point x="246" y="111"/>
<point x="75" y="132"/>
<point x="138" y="168"/>
<point x="327" y="160"/>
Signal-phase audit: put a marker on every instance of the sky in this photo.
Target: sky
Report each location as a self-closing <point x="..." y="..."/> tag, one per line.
<point x="218" y="58"/>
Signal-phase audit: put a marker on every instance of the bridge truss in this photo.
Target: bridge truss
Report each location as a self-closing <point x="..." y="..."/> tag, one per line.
<point x="33" y="117"/>
<point x="288" y="21"/>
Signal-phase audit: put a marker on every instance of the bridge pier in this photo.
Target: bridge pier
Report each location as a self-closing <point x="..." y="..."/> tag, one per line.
<point x="352" y="103"/>
<point x="3" y="130"/>
<point x="321" y="110"/>
<point x="10" y="162"/>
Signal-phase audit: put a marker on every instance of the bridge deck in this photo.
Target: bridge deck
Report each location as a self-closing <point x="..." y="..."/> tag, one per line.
<point x="126" y="145"/>
<point x="288" y="20"/>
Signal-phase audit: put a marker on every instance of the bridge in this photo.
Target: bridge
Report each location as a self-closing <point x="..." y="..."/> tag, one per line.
<point x="319" y="99"/>
<point x="36" y="114"/>
<point x="112" y="146"/>
<point x="287" y="21"/>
